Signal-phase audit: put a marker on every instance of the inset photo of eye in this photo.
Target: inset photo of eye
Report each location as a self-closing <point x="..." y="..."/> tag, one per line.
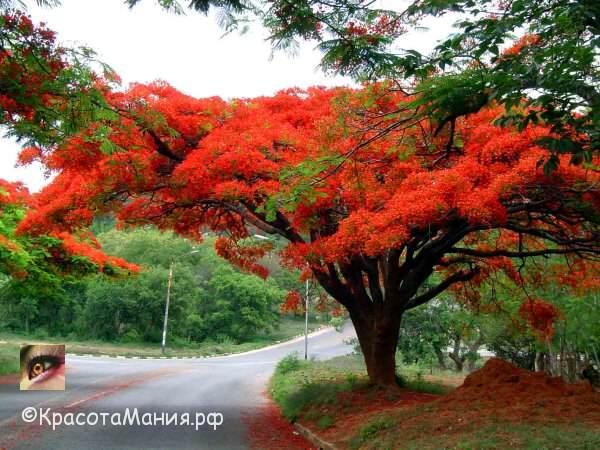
<point x="43" y="367"/>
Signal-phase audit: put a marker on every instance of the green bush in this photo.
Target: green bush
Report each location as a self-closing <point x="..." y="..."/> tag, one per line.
<point x="288" y="364"/>
<point x="9" y="359"/>
<point x="130" y="336"/>
<point x="337" y="322"/>
<point x="309" y="394"/>
<point x="40" y="333"/>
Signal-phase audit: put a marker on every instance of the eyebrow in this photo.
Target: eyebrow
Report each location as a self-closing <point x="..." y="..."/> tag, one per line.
<point x="30" y="352"/>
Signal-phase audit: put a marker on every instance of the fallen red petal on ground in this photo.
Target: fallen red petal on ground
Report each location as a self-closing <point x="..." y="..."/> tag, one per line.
<point x="268" y="430"/>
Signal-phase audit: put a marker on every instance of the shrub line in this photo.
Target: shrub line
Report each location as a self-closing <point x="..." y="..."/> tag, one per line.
<point x="320" y="329"/>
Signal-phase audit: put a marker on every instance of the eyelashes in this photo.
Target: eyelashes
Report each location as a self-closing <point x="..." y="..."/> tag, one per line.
<point x="42" y="364"/>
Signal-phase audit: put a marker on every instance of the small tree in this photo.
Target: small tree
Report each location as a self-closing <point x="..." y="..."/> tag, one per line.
<point x="439" y="330"/>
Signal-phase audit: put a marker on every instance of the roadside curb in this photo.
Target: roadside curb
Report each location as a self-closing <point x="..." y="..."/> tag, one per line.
<point x="312" y="437"/>
<point x="316" y="331"/>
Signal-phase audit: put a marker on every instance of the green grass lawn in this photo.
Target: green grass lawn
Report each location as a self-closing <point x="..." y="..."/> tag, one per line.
<point x="9" y="357"/>
<point x="288" y="328"/>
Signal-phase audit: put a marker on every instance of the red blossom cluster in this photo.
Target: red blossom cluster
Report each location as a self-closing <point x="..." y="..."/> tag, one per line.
<point x="384" y="26"/>
<point x="295" y="164"/>
<point x="13" y="194"/>
<point x="243" y="256"/>
<point x="292" y="303"/>
<point x="540" y="315"/>
<point x="93" y="253"/>
<point x="525" y="41"/>
<point x="28" y="88"/>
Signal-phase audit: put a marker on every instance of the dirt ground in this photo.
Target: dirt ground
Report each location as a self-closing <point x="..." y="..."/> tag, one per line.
<point x="499" y="397"/>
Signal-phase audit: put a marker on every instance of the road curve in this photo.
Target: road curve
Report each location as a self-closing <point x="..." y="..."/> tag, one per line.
<point x="231" y="385"/>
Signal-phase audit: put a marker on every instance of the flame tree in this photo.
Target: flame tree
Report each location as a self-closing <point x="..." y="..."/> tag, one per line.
<point x="385" y="209"/>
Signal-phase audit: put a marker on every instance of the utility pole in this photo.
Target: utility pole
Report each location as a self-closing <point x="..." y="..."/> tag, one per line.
<point x="306" y="323"/>
<point x="169" y="283"/>
<point x="164" y="334"/>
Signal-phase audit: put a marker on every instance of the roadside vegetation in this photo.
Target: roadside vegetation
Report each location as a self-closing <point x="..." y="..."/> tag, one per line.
<point x="311" y="389"/>
<point x="288" y="328"/>
<point x="9" y="357"/>
<point x="499" y="406"/>
<point x="214" y="308"/>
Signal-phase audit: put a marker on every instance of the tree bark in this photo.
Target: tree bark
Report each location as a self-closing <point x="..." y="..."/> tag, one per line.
<point x="455" y="355"/>
<point x="378" y="337"/>
<point x="474" y="350"/>
<point x="540" y="365"/>
<point x="458" y="362"/>
<point x="440" y="357"/>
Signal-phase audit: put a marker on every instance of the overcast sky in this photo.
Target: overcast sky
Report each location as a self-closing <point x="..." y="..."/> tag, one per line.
<point x="189" y="52"/>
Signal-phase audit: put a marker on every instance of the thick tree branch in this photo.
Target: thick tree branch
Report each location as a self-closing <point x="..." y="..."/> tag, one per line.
<point x="371" y="268"/>
<point x="161" y="147"/>
<point x="463" y="275"/>
<point x="510" y="254"/>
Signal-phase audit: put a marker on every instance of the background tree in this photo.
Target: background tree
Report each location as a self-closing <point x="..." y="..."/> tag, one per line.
<point x="42" y="300"/>
<point x="443" y="331"/>
<point x="40" y="273"/>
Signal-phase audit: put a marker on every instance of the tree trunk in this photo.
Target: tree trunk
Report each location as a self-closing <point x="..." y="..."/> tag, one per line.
<point x="470" y="365"/>
<point x="474" y="351"/>
<point x="458" y="362"/>
<point x="455" y="354"/>
<point x="551" y="366"/>
<point x="540" y="365"/>
<point x="378" y="338"/>
<point x="440" y="357"/>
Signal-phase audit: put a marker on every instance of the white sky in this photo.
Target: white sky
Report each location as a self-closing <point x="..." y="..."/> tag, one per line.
<point x="189" y="52"/>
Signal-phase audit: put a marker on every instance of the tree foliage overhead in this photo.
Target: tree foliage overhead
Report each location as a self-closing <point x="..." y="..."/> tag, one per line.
<point x="46" y="256"/>
<point x="545" y="52"/>
<point x="47" y="91"/>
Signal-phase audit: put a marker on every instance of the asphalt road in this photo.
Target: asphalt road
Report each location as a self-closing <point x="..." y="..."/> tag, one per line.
<point x="232" y="385"/>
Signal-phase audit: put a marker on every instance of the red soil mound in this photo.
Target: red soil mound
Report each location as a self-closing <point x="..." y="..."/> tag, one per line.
<point x="516" y="393"/>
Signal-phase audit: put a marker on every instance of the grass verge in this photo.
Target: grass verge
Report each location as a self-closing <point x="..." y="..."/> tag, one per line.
<point x="314" y="390"/>
<point x="9" y="358"/>
<point x="287" y="329"/>
<point x="384" y="433"/>
<point x="334" y="399"/>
